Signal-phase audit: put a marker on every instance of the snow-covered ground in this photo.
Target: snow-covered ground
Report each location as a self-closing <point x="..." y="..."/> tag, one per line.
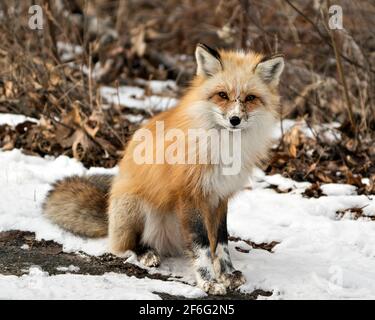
<point x="134" y="97"/>
<point x="110" y="286"/>
<point x="319" y="256"/>
<point x="14" y="119"/>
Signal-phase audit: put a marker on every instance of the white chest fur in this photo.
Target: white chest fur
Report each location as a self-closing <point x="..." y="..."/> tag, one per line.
<point x="247" y="148"/>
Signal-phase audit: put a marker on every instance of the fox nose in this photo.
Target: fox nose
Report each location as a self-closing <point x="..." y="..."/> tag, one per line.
<point x="235" y="121"/>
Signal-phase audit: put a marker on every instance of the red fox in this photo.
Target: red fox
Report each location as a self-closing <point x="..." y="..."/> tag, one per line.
<point x="161" y="208"/>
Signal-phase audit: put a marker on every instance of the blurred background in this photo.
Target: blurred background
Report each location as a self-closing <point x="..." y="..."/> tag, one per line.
<point x="97" y="70"/>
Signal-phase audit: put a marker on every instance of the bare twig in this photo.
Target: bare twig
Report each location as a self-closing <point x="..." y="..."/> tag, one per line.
<point x="341" y="72"/>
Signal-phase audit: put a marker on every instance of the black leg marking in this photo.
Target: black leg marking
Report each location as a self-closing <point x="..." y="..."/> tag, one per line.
<point x="224" y="263"/>
<point x="142" y="249"/>
<point x="147" y="256"/>
<point x="204" y="273"/>
<point x="200" y="237"/>
<point x="222" y="236"/>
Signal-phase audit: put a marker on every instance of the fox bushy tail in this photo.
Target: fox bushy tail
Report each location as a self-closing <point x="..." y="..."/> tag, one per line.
<point x="79" y="204"/>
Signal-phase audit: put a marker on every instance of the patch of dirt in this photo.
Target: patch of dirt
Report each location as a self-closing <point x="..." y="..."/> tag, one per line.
<point x="19" y="250"/>
<point x="278" y="190"/>
<point x="49" y="255"/>
<point x="354" y="214"/>
<point x="268" y="246"/>
<point x="314" y="191"/>
<point x="233" y="295"/>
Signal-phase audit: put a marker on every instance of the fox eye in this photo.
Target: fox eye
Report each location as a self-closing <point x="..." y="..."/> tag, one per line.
<point x="223" y="95"/>
<point x="250" y="98"/>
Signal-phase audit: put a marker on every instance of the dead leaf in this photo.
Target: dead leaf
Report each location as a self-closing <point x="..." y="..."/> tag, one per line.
<point x="292" y="139"/>
<point x="54" y="79"/>
<point x="138" y="41"/>
<point x="9" y="87"/>
<point x="73" y="117"/>
<point x="323" y="177"/>
<point x="81" y="144"/>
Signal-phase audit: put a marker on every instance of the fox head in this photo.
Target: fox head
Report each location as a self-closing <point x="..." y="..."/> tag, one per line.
<point x="237" y="88"/>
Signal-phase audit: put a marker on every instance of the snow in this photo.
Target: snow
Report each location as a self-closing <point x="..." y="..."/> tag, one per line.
<point x="335" y="189"/>
<point x="134" y="97"/>
<point x="158" y="86"/>
<point x="369" y="210"/>
<point x="68" y="51"/>
<point x="14" y="119"/>
<point x="284" y="184"/>
<point x="71" y="268"/>
<point x="37" y="284"/>
<point x="327" y="131"/>
<point x="319" y="256"/>
<point x="134" y="118"/>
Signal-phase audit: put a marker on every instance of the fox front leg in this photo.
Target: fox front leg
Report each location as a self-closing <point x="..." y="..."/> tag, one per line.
<point x="223" y="266"/>
<point x="198" y="246"/>
<point x="202" y="259"/>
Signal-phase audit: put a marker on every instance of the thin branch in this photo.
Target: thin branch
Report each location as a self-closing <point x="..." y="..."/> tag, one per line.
<point x="340" y="71"/>
<point x="347" y="59"/>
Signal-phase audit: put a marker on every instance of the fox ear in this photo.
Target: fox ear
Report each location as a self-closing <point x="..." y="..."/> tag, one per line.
<point x="208" y="60"/>
<point x="270" y="69"/>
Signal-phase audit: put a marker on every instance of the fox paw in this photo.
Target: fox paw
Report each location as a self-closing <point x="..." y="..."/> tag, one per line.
<point x="150" y="259"/>
<point x="232" y="280"/>
<point x="213" y="287"/>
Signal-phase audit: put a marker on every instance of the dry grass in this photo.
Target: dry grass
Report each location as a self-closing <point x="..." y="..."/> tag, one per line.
<point x="330" y="75"/>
